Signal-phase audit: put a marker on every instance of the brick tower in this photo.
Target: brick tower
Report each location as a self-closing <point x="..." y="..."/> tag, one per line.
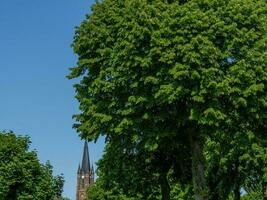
<point x="85" y="175"/>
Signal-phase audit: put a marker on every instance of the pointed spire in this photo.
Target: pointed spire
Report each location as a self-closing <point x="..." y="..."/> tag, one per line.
<point x="92" y="169"/>
<point x="85" y="162"/>
<point x="79" y="169"/>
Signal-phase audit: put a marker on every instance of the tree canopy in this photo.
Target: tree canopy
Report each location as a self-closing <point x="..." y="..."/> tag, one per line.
<point x="22" y="176"/>
<point x="184" y="71"/>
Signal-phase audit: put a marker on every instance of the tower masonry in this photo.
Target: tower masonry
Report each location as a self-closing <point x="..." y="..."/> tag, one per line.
<point x="85" y="175"/>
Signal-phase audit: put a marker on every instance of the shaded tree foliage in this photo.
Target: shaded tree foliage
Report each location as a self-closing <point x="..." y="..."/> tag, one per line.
<point x="128" y="174"/>
<point x="142" y="173"/>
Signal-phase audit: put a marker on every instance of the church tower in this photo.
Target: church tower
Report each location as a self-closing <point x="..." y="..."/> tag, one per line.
<point x="85" y="175"/>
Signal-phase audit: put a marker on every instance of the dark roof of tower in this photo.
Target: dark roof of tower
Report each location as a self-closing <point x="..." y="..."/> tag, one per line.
<point x="85" y="162"/>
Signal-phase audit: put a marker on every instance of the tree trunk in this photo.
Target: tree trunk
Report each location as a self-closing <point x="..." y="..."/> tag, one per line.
<point x="237" y="195"/>
<point x="165" y="187"/>
<point x="264" y="175"/>
<point x="264" y="180"/>
<point x="198" y="170"/>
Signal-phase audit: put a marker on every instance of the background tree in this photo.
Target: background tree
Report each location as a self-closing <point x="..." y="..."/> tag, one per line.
<point x="159" y="70"/>
<point x="22" y="176"/>
<point x="99" y="192"/>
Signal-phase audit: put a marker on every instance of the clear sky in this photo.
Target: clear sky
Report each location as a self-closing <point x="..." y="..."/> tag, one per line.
<point x="36" y="99"/>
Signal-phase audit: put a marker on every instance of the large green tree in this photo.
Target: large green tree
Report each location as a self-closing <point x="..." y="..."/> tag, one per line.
<point x="155" y="70"/>
<point x="22" y="176"/>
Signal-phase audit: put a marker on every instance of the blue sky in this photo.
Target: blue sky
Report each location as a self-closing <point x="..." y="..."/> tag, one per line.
<point x="36" y="99"/>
